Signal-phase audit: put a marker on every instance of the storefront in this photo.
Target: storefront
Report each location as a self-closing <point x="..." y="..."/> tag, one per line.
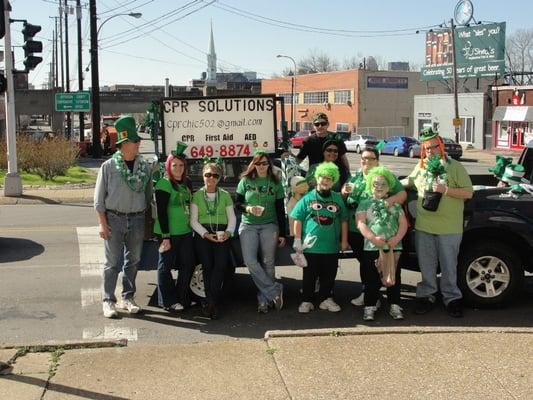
<point x="513" y="126"/>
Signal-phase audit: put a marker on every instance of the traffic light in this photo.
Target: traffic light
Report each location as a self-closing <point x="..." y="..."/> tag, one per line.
<point x="2" y="20"/>
<point x="31" y="46"/>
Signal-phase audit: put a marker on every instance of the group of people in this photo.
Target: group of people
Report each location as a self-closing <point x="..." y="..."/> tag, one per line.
<point x="332" y="211"/>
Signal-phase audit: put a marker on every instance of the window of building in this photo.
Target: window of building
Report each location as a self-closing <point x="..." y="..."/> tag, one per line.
<point x="342" y="127"/>
<point x="466" y="131"/>
<point x="307" y="126"/>
<point x="287" y="97"/>
<point x="315" y="97"/>
<point x="342" y="96"/>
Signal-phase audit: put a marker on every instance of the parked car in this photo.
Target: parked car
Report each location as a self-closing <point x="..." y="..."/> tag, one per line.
<point x="398" y="145"/>
<point x="299" y="137"/>
<point x="452" y="148"/>
<point x="358" y="142"/>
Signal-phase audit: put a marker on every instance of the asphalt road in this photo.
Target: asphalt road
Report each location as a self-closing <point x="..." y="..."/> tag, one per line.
<point x="49" y="290"/>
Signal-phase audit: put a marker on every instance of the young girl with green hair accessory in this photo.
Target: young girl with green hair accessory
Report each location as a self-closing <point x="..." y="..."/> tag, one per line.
<point x="329" y="170"/>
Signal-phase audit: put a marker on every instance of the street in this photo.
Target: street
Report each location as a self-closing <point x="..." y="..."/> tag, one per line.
<point x="50" y="260"/>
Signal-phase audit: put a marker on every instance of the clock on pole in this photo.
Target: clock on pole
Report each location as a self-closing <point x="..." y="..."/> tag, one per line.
<point x="464" y="12"/>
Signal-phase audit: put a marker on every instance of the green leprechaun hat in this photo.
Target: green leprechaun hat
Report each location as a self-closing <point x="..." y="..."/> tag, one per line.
<point x="428" y="133"/>
<point x="126" y="129"/>
<point x="501" y="163"/>
<point x="513" y="174"/>
<point x="180" y="149"/>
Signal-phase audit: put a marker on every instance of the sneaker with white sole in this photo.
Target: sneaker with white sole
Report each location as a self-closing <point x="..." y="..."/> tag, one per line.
<point x="359" y="301"/>
<point x="306" y="307"/>
<point x="395" y="311"/>
<point x="109" y="309"/>
<point x="131" y="306"/>
<point x="369" y="312"/>
<point x="278" y="300"/>
<point x="176" y="307"/>
<point x="329" y="305"/>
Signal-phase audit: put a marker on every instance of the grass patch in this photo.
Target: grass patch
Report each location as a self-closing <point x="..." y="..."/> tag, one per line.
<point x="73" y="175"/>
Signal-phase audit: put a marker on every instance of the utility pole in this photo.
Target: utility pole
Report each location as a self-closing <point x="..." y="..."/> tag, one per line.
<point x="95" y="84"/>
<point x="454" y="75"/>
<point x="67" y="72"/>
<point x="12" y="181"/>
<point x="80" y="68"/>
<point x="61" y="45"/>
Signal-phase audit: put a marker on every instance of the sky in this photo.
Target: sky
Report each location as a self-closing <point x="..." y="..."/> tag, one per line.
<point x="171" y="38"/>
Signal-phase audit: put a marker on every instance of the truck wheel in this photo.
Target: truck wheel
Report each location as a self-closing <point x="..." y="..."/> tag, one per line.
<point x="489" y="273"/>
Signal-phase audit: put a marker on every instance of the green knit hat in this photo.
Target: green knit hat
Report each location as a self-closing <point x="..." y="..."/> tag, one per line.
<point x="329" y="170"/>
<point x="126" y="129"/>
<point x="513" y="174"/>
<point x="427" y="134"/>
<point x="501" y="163"/>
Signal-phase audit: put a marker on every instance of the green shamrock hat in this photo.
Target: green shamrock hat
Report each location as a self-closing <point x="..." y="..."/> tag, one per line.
<point x="320" y="117"/>
<point x="428" y="133"/>
<point x="126" y="129"/>
<point x="332" y="138"/>
<point x="501" y="163"/>
<point x="180" y="149"/>
<point x="513" y="174"/>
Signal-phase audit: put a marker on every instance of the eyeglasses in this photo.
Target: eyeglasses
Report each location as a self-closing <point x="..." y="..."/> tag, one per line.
<point x="210" y="175"/>
<point x="435" y="146"/>
<point x="368" y="158"/>
<point x="380" y="184"/>
<point x="332" y="150"/>
<point x="317" y="124"/>
<point x="262" y="163"/>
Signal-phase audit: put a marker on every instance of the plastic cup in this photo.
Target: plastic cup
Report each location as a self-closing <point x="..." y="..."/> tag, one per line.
<point x="348" y="187"/>
<point x="260" y="210"/>
<point x="221" y="235"/>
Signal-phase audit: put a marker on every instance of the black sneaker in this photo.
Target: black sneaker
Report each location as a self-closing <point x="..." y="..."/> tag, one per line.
<point x="278" y="300"/>
<point x="455" y="308"/>
<point x="423" y="305"/>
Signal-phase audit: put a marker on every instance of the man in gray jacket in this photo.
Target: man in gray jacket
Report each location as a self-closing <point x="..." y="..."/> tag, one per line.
<point x="122" y="193"/>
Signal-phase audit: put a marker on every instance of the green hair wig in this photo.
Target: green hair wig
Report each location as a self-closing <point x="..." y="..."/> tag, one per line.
<point x="379" y="171"/>
<point x="328" y="169"/>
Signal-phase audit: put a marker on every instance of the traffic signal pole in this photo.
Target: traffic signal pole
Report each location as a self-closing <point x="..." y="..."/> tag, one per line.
<point x="12" y="181"/>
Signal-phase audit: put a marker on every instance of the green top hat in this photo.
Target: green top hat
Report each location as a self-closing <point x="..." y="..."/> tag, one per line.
<point x="332" y="138"/>
<point x="126" y="130"/>
<point x="320" y="117"/>
<point x="180" y="149"/>
<point x="501" y="163"/>
<point x="427" y="134"/>
<point x="513" y="174"/>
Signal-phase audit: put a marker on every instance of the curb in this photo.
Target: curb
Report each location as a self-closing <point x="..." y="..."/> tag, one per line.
<point x="67" y="345"/>
<point x="395" y="331"/>
<point x="25" y="200"/>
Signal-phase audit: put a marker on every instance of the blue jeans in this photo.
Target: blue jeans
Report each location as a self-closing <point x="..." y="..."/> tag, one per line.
<point x="122" y="253"/>
<point x="433" y="250"/>
<point x="264" y="237"/>
<point x="180" y="256"/>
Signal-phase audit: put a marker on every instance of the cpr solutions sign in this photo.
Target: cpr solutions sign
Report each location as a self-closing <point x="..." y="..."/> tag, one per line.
<point x="226" y="127"/>
<point x="480" y="51"/>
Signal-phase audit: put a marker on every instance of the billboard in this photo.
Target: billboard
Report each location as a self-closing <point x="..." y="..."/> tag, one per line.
<point x="480" y="51"/>
<point x="387" y="82"/>
<point x="226" y="127"/>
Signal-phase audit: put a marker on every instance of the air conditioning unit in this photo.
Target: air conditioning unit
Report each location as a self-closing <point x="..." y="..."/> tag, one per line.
<point x="349" y="103"/>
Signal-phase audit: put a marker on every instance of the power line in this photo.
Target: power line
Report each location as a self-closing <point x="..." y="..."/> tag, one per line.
<point x="123" y="5"/>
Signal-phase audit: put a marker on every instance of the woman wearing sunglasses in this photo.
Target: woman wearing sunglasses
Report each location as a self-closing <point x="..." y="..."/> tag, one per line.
<point x="173" y="198"/>
<point x="330" y="154"/>
<point x="213" y="221"/>
<point x="260" y="198"/>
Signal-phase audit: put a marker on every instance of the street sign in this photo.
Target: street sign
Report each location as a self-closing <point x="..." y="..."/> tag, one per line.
<point x="457" y="122"/>
<point x="75" y="101"/>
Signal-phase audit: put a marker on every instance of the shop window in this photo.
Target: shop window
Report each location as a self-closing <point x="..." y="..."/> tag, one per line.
<point x="503" y="133"/>
<point x="315" y="97"/>
<point x="287" y="97"/>
<point x="466" y="131"/>
<point x="342" y="96"/>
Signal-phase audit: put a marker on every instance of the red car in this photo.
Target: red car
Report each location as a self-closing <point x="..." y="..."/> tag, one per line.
<point x="299" y="137"/>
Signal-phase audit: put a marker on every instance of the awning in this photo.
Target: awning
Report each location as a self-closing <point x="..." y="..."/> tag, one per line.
<point x="513" y="113"/>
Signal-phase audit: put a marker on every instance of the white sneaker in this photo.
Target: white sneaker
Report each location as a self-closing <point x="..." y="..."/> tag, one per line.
<point x="176" y="307"/>
<point x="396" y="311"/>
<point x="131" y="306"/>
<point x="359" y="301"/>
<point x="329" y="305"/>
<point x="306" y="307"/>
<point x="109" y="309"/>
<point x="369" y="312"/>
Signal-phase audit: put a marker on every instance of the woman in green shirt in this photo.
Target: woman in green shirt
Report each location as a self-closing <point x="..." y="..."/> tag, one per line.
<point x="213" y="221"/>
<point x="173" y="198"/>
<point x="263" y="225"/>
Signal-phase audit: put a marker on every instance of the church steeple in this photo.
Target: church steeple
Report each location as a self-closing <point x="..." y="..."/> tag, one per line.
<point x="211" y="60"/>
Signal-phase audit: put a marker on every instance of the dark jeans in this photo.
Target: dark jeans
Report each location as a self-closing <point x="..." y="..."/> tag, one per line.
<point x="356" y="242"/>
<point x="180" y="255"/>
<point x="321" y="266"/>
<point x="372" y="280"/>
<point x="214" y="258"/>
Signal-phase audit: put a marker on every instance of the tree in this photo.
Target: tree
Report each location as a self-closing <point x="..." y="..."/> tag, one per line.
<point x="316" y="61"/>
<point x="519" y="52"/>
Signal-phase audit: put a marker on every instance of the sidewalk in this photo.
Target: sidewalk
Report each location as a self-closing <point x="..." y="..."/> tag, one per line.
<point x="362" y="363"/>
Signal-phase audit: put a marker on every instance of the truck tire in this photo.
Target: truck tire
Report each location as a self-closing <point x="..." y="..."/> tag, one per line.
<point x="489" y="273"/>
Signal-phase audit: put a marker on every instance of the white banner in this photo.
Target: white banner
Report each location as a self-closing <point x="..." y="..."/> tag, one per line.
<point x="224" y="127"/>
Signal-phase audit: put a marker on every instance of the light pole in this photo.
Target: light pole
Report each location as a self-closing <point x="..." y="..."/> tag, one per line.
<point x="95" y="81"/>
<point x="293" y="83"/>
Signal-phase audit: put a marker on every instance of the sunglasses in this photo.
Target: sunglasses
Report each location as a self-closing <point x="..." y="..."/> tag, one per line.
<point x="435" y="146"/>
<point x="332" y="150"/>
<point x="262" y="163"/>
<point x="380" y="184"/>
<point x="317" y="124"/>
<point x="368" y="158"/>
<point x="210" y="175"/>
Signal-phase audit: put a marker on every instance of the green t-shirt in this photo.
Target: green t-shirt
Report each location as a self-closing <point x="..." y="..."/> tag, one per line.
<point x="212" y="212"/>
<point x="260" y="192"/>
<point x="178" y="208"/>
<point x="321" y="217"/>
<point x="382" y="221"/>
<point x="358" y="181"/>
<point x="448" y="218"/>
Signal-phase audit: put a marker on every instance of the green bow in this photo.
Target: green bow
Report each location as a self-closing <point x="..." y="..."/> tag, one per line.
<point x="218" y="161"/>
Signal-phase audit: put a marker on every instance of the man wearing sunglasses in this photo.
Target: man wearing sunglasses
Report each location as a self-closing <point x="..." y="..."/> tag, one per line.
<point x="313" y="146"/>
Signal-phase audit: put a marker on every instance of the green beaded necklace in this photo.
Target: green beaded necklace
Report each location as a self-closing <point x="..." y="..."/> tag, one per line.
<point x="137" y="180"/>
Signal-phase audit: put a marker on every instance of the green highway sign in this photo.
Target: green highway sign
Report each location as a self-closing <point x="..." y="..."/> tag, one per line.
<point x="75" y="101"/>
